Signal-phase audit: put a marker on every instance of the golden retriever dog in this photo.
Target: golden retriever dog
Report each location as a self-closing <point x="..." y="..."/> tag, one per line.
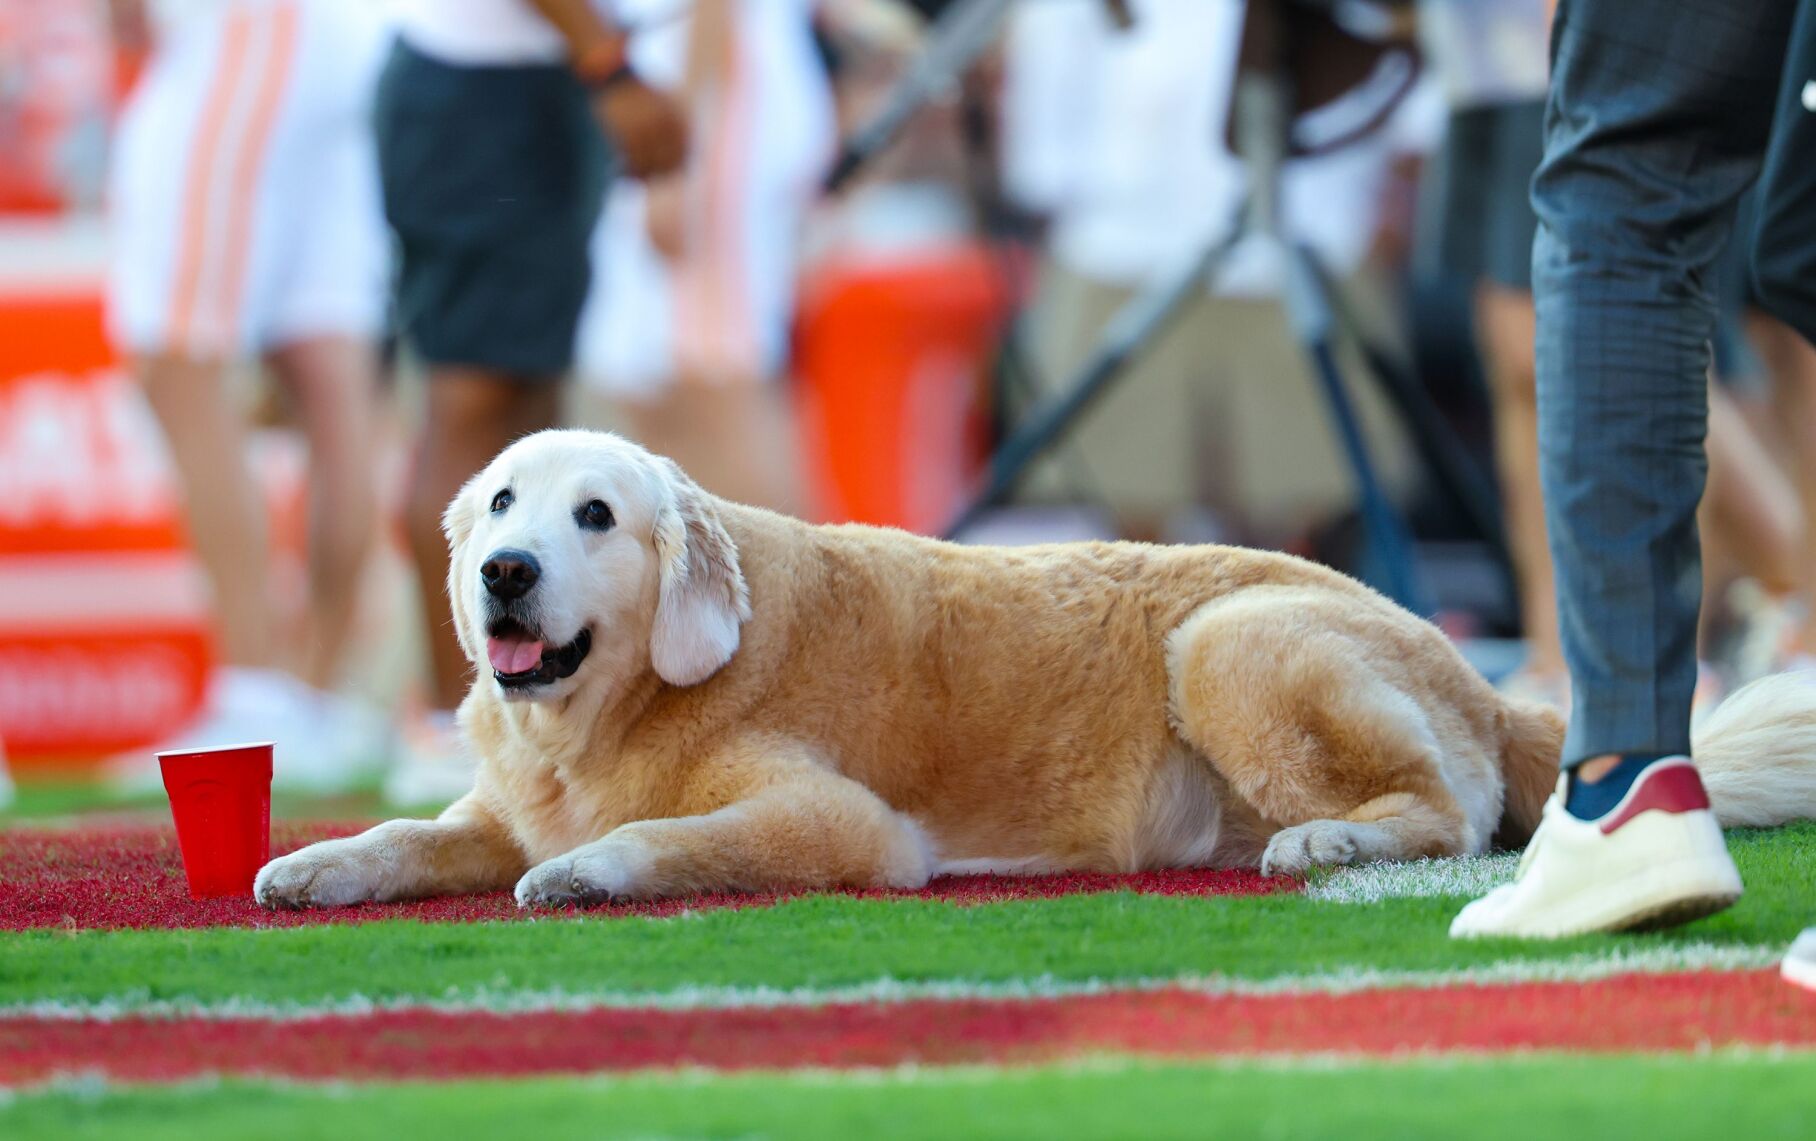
<point x="679" y="694"/>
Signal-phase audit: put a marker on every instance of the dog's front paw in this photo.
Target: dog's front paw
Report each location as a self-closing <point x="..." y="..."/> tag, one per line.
<point x="1295" y="850"/>
<point x="615" y="868"/>
<point x="333" y="873"/>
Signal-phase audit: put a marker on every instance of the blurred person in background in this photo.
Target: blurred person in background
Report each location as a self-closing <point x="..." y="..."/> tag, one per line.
<point x="246" y="226"/>
<point x="1790" y="368"/>
<point x="688" y="326"/>
<point x="1490" y="56"/>
<point x="493" y="118"/>
<point x="1117" y="139"/>
<point x="1763" y="586"/>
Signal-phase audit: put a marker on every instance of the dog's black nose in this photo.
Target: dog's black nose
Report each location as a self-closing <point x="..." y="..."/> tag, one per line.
<point x="510" y="574"/>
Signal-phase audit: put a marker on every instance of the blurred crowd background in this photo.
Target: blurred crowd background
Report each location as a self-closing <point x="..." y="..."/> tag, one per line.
<point x="240" y="376"/>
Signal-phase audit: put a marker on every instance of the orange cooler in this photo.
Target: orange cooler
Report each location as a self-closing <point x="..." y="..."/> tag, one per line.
<point x="104" y="630"/>
<point x="893" y="358"/>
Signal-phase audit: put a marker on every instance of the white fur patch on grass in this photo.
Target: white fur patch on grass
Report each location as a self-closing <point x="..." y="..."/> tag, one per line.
<point x="1463" y="877"/>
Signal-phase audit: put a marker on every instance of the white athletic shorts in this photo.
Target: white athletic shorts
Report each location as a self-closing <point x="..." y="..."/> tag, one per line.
<point x="724" y="309"/>
<point x="245" y="200"/>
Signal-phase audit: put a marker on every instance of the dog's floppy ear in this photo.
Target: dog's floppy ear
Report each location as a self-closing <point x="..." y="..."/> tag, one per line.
<point x="457" y="525"/>
<point x="702" y="598"/>
<point x="457" y="520"/>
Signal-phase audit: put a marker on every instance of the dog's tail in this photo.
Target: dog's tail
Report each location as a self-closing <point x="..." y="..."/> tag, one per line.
<point x="1756" y="753"/>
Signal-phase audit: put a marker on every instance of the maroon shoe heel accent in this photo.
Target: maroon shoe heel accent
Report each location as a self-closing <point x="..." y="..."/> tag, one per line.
<point x="1670" y="788"/>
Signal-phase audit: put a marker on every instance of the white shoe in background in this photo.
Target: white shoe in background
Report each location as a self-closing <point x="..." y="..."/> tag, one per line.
<point x="434" y="764"/>
<point x="1764" y="640"/>
<point x="325" y="743"/>
<point x="1800" y="961"/>
<point x="6" y="781"/>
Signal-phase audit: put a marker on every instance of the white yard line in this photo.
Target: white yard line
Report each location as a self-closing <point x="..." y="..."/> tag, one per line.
<point x="91" y="1086"/>
<point x="1575" y="968"/>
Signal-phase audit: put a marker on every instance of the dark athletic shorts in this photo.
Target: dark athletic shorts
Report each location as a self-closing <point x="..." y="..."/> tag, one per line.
<point x="1481" y="193"/>
<point x="493" y="178"/>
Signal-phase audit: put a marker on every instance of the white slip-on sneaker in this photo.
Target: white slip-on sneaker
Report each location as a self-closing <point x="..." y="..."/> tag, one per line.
<point x="1656" y="859"/>
<point x="1800" y="961"/>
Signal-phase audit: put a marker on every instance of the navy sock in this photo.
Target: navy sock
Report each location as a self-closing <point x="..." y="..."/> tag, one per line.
<point x="1588" y="800"/>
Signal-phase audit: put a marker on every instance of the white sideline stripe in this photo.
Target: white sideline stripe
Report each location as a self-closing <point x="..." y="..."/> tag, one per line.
<point x="1464" y="877"/>
<point x="97" y="591"/>
<point x="89" y="1085"/>
<point x="1577" y="968"/>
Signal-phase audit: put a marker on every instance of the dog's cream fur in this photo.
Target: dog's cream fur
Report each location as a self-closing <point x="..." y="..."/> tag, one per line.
<point x="773" y="705"/>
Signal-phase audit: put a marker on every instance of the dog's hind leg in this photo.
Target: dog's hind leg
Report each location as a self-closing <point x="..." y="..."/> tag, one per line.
<point x="1285" y="691"/>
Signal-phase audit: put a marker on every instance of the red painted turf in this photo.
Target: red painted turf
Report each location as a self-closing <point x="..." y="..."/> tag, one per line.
<point x="1635" y="1012"/>
<point x="133" y="877"/>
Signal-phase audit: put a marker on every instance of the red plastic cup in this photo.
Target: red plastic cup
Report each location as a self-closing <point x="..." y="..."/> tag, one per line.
<point x="221" y="800"/>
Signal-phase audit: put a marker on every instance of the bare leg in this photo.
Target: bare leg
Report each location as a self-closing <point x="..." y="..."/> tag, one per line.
<point x="471" y="416"/>
<point x="1504" y="322"/>
<point x="1750" y="512"/>
<point x="1791" y="363"/>
<point x="734" y="436"/>
<point x="207" y="438"/>
<point x="333" y="382"/>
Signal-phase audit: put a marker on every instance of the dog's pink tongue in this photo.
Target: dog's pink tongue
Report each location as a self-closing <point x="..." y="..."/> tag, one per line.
<point x="513" y="655"/>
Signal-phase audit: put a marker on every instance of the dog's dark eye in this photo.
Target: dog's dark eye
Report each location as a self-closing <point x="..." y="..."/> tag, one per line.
<point x="594" y="516"/>
<point x="502" y="500"/>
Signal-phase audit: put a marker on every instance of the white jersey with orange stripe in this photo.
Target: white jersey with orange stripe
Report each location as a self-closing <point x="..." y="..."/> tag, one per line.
<point x="244" y="197"/>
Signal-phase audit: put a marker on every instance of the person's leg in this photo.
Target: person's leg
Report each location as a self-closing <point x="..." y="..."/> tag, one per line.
<point x="1653" y="130"/>
<point x="206" y="433"/>
<point x="333" y="381"/>
<point x="1790" y="364"/>
<point x="1504" y="328"/>
<point x="1750" y="512"/>
<point x="471" y="415"/>
<point x="492" y="179"/>
<point x="1635" y="199"/>
<point x="1784" y="274"/>
<point x="180" y="274"/>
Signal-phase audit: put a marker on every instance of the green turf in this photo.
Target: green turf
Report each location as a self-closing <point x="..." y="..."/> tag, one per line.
<point x="828" y="941"/>
<point x="54" y="799"/>
<point x="1753" y="1097"/>
<point x="39" y="799"/>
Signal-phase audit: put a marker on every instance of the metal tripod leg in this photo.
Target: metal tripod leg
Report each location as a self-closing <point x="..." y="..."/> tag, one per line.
<point x="1134" y="327"/>
<point x="1310" y="315"/>
<point x="1457" y="475"/>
